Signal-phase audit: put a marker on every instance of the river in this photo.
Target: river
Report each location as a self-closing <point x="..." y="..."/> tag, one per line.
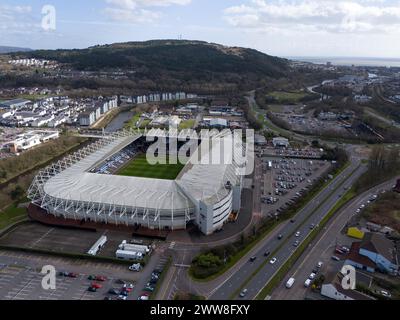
<point x="118" y="122"/>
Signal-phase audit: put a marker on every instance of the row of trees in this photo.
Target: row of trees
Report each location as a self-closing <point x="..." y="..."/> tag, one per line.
<point x="383" y="164"/>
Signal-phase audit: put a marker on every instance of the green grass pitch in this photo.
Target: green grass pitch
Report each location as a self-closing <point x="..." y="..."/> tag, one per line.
<point x="139" y="167"/>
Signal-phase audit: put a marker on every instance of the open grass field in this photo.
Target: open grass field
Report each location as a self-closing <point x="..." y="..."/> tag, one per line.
<point x="188" y="124"/>
<point x="287" y="97"/>
<point x="139" y="167"/>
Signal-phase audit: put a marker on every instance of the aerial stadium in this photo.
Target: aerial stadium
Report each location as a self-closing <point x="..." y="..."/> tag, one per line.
<point x="111" y="182"/>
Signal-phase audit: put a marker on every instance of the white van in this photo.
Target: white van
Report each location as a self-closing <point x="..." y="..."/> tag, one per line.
<point x="290" y="283"/>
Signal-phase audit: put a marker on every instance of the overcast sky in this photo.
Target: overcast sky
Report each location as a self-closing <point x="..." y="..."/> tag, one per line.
<point x="357" y="28"/>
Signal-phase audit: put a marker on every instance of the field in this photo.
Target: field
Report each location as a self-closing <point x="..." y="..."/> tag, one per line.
<point x="287" y="97"/>
<point x="188" y="124"/>
<point x="139" y="167"/>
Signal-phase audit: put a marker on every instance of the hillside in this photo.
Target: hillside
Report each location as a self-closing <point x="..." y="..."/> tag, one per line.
<point x="4" y="49"/>
<point x="192" y="58"/>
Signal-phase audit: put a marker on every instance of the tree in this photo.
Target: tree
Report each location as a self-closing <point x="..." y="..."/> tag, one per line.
<point x="17" y="193"/>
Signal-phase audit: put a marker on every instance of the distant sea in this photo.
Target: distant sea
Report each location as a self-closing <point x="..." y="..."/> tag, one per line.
<point x="349" y="61"/>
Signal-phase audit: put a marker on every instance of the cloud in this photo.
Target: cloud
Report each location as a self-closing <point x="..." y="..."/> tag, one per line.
<point x="329" y="16"/>
<point x="17" y="20"/>
<point x="138" y="11"/>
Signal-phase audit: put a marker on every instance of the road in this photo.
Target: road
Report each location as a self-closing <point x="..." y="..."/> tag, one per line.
<point x="323" y="247"/>
<point x="283" y="249"/>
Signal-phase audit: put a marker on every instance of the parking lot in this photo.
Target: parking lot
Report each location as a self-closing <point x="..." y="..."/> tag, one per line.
<point x="24" y="283"/>
<point x="20" y="278"/>
<point x="285" y="180"/>
<point x="38" y="236"/>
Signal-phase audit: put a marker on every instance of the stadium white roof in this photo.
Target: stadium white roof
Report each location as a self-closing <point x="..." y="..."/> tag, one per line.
<point x="76" y="184"/>
<point x="197" y="182"/>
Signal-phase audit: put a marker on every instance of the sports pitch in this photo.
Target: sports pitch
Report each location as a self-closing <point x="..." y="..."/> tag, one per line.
<point x="139" y="167"/>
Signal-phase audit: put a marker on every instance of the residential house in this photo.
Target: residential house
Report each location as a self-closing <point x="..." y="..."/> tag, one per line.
<point x="332" y="288"/>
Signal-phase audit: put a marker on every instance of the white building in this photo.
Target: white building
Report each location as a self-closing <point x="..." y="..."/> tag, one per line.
<point x="280" y="142"/>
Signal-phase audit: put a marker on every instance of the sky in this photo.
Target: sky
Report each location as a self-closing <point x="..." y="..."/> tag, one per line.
<point x="331" y="28"/>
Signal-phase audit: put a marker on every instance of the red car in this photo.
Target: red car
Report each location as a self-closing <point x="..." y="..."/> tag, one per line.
<point x="96" y="285"/>
<point x="72" y="275"/>
<point x="100" y="278"/>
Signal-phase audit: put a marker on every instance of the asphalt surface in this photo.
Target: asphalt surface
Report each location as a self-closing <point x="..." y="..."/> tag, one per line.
<point x="282" y="249"/>
<point x="323" y="247"/>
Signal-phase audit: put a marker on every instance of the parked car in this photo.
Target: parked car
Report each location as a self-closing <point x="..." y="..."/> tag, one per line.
<point x="280" y="237"/>
<point x="252" y="259"/>
<point x="100" y="278"/>
<point x="307" y="283"/>
<point x="312" y="226"/>
<point x="92" y="289"/>
<point x="297" y="234"/>
<point x="72" y="275"/>
<point x="96" y="285"/>
<point x="107" y="298"/>
<point x="149" y="288"/>
<point x="114" y="292"/>
<point x="91" y="277"/>
<point x="122" y="297"/>
<point x="319" y="265"/>
<point x="296" y="244"/>
<point x="273" y="260"/>
<point x="312" y="276"/>
<point x="266" y="254"/>
<point x="335" y="258"/>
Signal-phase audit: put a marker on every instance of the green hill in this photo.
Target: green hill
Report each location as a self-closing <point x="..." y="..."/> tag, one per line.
<point x="170" y="56"/>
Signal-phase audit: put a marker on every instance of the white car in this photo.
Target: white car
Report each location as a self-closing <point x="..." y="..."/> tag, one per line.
<point x="135" y="267"/>
<point x="319" y="264"/>
<point x="143" y="298"/>
<point x="297" y="234"/>
<point x="307" y="283"/>
<point x="312" y="276"/>
<point x="272" y="261"/>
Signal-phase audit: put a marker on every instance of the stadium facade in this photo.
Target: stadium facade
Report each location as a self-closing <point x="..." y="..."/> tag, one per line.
<point x="205" y="194"/>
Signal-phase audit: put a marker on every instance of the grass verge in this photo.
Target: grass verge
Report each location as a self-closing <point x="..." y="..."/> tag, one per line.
<point x="11" y="215"/>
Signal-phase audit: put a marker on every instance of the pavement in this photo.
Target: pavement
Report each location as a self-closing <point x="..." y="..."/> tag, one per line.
<point x="283" y="249"/>
<point x="323" y="247"/>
